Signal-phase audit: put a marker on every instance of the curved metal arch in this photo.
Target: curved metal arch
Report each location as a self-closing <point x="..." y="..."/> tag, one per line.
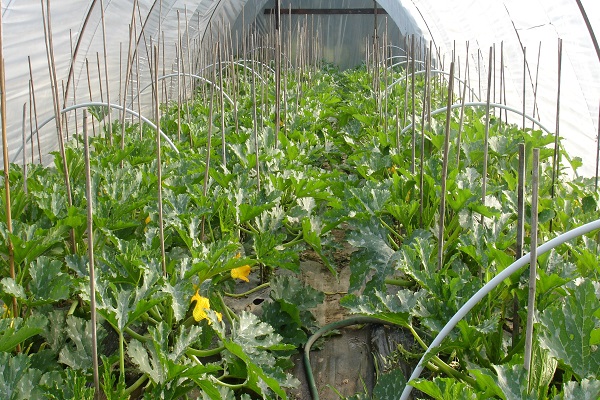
<point x="397" y="47"/>
<point x="258" y="62"/>
<point x="437" y="71"/>
<point x="483" y="104"/>
<point x="95" y="104"/>
<point x="488" y="287"/>
<point x="241" y="65"/>
<point x="270" y="48"/>
<point x="190" y="75"/>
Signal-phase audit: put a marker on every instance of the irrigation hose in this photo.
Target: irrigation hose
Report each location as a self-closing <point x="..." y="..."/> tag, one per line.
<point x="359" y="319"/>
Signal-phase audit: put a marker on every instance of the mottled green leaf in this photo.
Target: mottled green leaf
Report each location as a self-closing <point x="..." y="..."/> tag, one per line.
<point x="17" y="330"/>
<point x="566" y="330"/>
<point x="585" y="390"/>
<point x="389" y="385"/>
<point x="445" y="389"/>
<point x="48" y="284"/>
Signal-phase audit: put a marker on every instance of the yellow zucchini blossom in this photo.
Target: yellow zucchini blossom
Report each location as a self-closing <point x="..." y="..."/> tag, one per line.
<point x="241" y="273"/>
<point x="202" y="304"/>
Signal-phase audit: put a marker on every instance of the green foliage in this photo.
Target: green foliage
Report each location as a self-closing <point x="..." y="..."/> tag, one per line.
<point x="340" y="165"/>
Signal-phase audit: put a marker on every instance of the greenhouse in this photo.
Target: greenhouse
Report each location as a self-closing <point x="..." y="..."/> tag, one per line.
<point x="300" y="199"/>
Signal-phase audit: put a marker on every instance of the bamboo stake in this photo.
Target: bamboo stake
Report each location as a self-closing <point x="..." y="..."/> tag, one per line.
<point x="414" y="117"/>
<point x="109" y="131"/>
<point x="462" y="109"/>
<point x="89" y="82"/>
<point x="555" y="165"/>
<point x="487" y="134"/>
<point x="127" y="72"/>
<point x="30" y="125"/>
<point x="597" y="152"/>
<point x="234" y="88"/>
<point x="422" y="155"/>
<point x="161" y="230"/>
<point x="73" y="86"/>
<point x="520" y="235"/>
<point x="137" y="84"/>
<point x="255" y="128"/>
<point x="90" y="224"/>
<point x="502" y="80"/>
<point x="533" y="263"/>
<point x="222" y="106"/>
<point x="178" y="57"/>
<point x="24" y="148"/>
<point x="440" y="257"/>
<point x="100" y="85"/>
<point x="64" y="119"/>
<point x="61" y="145"/>
<point x="524" y="84"/>
<point x="208" y="148"/>
<point x="34" y="110"/>
<point x="9" y="244"/>
<point x="277" y="72"/>
<point x="535" y="88"/>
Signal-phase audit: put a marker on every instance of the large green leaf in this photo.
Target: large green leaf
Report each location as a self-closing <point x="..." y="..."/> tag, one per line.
<point x="48" y="284"/>
<point x="77" y="352"/>
<point x="446" y="389"/>
<point x="585" y="390"/>
<point x="15" y="331"/>
<point x="565" y="329"/>
<point x="18" y="380"/>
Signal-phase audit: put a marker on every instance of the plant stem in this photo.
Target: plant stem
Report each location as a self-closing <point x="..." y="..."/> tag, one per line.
<point x="136" y="384"/>
<point x="121" y="357"/>
<point x="204" y="353"/>
<point x="256" y="289"/>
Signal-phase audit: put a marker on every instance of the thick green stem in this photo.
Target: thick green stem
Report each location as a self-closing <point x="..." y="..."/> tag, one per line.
<point x="204" y="353"/>
<point x="122" y="357"/>
<point x="136" y="384"/>
<point x="256" y="289"/>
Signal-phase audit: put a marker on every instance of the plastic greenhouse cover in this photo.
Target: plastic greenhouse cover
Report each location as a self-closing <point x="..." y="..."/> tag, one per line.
<point x="77" y="31"/>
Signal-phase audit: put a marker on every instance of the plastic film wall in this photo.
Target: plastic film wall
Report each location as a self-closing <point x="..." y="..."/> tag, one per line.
<point x="183" y="30"/>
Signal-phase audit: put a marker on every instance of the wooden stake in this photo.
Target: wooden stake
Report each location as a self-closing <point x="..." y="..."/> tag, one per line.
<point x="440" y="257"/>
<point x="520" y="235"/>
<point x="524" y="84"/>
<point x="24" y="136"/>
<point x="61" y="145"/>
<point x="255" y="129"/>
<point x="487" y="133"/>
<point x="597" y="152"/>
<point x="555" y="164"/>
<point x="208" y="146"/>
<point x="533" y="263"/>
<point x="90" y="234"/>
<point x="462" y="109"/>
<point x="89" y="82"/>
<point x="161" y="230"/>
<point x="109" y="130"/>
<point x="34" y="110"/>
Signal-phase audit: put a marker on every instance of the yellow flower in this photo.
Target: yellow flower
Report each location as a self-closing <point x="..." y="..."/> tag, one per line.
<point x="202" y="304"/>
<point x="147" y="221"/>
<point x="241" y="273"/>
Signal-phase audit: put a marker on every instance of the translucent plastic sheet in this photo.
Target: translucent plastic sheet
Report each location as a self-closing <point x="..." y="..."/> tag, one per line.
<point x="77" y="34"/>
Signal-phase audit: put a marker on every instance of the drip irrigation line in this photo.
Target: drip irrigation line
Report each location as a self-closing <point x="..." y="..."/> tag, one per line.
<point x="356" y="320"/>
<point x="488" y="287"/>
<point x="97" y="104"/>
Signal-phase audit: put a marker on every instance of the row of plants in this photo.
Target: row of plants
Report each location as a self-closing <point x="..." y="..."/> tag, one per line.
<point x="167" y="331"/>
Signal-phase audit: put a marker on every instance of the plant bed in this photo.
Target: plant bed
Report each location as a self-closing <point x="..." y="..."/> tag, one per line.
<point x="338" y="192"/>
